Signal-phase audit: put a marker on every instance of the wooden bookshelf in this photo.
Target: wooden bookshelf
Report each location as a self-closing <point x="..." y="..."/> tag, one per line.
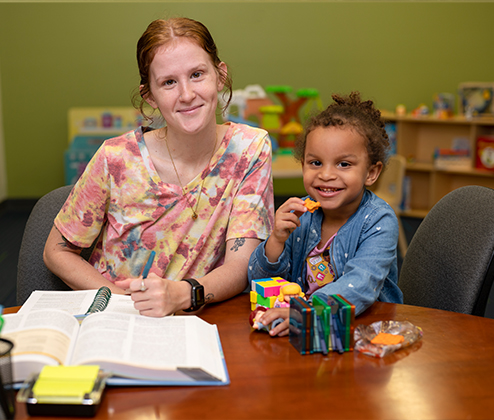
<point x="418" y="137"/>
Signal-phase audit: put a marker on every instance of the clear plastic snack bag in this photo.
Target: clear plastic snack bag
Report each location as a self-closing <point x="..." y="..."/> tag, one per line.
<point x="385" y="337"/>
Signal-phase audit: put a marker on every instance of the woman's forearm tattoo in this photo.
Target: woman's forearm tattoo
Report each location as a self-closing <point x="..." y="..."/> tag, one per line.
<point x="67" y="244"/>
<point x="237" y="244"/>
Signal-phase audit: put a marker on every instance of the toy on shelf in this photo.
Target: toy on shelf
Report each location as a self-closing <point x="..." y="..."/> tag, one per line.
<point x="244" y="105"/>
<point x="421" y="111"/>
<point x="443" y="105"/>
<point x="476" y="99"/>
<point x="102" y="121"/>
<point x="290" y="120"/>
<point x="270" y="117"/>
<point x="401" y="110"/>
<point x="313" y="103"/>
<point x="283" y="122"/>
<point x="292" y="107"/>
<point x="289" y="133"/>
<point x="485" y="153"/>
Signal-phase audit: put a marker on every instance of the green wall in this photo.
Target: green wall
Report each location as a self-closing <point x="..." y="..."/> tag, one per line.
<point x="54" y="56"/>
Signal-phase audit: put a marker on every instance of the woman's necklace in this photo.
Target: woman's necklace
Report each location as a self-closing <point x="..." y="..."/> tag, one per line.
<point x="194" y="211"/>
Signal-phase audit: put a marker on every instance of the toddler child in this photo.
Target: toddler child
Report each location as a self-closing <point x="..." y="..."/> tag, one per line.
<point x="347" y="246"/>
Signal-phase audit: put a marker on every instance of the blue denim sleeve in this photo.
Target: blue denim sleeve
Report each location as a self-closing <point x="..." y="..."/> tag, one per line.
<point x="362" y="272"/>
<point x="260" y="267"/>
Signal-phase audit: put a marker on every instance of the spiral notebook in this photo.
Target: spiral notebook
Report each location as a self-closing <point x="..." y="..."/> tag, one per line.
<point x="100" y="301"/>
<point x="79" y="302"/>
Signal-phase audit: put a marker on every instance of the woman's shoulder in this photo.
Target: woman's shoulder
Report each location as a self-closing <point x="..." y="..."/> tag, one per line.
<point x="132" y="136"/>
<point x="247" y="143"/>
<point x="246" y="132"/>
<point x="126" y="142"/>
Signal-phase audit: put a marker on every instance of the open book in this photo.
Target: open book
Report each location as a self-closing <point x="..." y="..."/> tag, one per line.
<point x="135" y="349"/>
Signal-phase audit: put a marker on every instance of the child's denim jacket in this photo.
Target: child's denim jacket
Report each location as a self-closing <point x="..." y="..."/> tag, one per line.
<point x="363" y="255"/>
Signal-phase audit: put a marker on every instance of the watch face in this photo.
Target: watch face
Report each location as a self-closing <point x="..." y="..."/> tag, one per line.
<point x="198" y="296"/>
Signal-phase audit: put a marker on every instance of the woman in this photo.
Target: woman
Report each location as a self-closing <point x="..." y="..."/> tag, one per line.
<point x="197" y="193"/>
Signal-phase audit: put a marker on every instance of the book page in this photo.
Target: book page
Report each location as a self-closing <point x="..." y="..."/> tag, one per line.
<point x="121" y="304"/>
<point x="149" y="348"/>
<point x="75" y="302"/>
<point x="40" y="338"/>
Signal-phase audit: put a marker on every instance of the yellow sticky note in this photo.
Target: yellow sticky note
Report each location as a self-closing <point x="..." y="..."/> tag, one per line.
<point x="48" y="388"/>
<point x="65" y="381"/>
<point x="69" y="372"/>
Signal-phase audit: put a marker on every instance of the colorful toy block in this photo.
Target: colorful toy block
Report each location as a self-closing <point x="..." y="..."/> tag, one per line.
<point x="268" y="287"/>
<point x="265" y="291"/>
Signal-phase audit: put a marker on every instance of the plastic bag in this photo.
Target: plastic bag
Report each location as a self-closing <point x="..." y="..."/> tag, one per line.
<point x="365" y="334"/>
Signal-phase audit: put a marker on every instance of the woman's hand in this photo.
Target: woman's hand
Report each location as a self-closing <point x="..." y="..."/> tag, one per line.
<point x="161" y="297"/>
<point x="164" y="297"/>
<point x="272" y="314"/>
<point x="285" y="222"/>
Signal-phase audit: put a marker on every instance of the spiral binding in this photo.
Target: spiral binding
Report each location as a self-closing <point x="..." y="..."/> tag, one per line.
<point x="100" y="301"/>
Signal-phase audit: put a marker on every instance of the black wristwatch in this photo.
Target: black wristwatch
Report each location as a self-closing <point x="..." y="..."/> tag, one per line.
<point x="197" y="298"/>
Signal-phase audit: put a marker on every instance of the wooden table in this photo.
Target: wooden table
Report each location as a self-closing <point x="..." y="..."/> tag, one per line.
<point x="449" y="374"/>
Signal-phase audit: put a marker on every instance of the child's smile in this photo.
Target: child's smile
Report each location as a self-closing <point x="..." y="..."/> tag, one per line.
<point x="329" y="190"/>
<point x="336" y="169"/>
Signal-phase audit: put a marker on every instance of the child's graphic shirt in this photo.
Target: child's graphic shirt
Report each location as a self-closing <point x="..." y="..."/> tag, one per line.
<point x="319" y="269"/>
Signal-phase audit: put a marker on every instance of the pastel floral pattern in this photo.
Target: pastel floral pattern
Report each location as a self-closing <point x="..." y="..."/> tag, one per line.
<point x="121" y="201"/>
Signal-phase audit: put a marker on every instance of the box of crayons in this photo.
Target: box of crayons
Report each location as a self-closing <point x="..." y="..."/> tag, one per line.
<point x="322" y="326"/>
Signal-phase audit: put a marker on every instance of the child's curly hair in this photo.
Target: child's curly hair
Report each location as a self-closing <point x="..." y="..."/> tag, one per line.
<point x="351" y="111"/>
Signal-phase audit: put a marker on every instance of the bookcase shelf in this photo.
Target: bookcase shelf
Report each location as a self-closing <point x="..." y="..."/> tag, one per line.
<point x="418" y="137"/>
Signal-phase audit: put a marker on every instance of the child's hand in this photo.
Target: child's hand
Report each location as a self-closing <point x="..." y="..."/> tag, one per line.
<point x="271" y="315"/>
<point x="285" y="222"/>
<point x="287" y="218"/>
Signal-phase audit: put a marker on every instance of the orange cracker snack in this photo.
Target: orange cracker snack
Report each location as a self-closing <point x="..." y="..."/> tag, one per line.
<point x="388" y="339"/>
<point x="311" y="205"/>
